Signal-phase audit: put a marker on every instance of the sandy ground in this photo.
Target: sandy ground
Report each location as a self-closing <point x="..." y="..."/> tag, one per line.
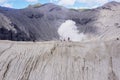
<point x="57" y="60"/>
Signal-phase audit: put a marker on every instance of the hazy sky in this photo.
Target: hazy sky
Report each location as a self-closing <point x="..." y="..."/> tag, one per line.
<point x="67" y="3"/>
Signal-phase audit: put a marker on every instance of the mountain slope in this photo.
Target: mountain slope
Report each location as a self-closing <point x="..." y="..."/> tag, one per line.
<point x="60" y="60"/>
<point x="42" y="23"/>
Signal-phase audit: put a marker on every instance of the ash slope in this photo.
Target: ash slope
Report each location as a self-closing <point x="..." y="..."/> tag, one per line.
<point x="42" y="23"/>
<point x="60" y="60"/>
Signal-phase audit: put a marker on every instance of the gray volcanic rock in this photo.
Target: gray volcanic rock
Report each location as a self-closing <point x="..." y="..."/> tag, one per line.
<point x="41" y="23"/>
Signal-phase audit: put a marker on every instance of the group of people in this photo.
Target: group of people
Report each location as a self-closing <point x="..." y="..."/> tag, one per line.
<point x="68" y="39"/>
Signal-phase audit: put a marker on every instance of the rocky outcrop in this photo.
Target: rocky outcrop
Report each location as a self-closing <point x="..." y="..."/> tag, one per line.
<point x="60" y="60"/>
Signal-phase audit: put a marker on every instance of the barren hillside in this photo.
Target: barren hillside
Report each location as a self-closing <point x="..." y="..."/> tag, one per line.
<point x="42" y="22"/>
<point x="60" y="60"/>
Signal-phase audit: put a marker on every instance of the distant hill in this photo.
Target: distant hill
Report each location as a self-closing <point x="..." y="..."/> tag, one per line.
<point x="41" y="22"/>
<point x="35" y="5"/>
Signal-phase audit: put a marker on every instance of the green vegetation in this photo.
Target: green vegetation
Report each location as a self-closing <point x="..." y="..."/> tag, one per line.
<point x="84" y="9"/>
<point x="35" y="5"/>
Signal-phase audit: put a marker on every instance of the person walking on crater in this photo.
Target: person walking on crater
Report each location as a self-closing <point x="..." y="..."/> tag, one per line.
<point x="117" y="38"/>
<point x="68" y="38"/>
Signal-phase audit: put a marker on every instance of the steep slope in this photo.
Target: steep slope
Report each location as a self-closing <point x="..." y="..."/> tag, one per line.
<point x="60" y="60"/>
<point x="42" y="23"/>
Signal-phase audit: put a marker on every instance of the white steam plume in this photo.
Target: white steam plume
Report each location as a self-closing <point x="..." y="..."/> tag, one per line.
<point x="68" y="29"/>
